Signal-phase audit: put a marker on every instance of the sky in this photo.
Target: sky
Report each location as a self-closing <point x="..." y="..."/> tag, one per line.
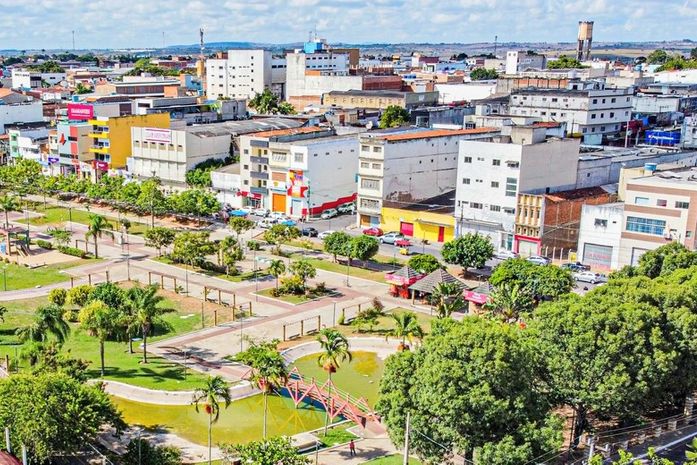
<point x="140" y="23"/>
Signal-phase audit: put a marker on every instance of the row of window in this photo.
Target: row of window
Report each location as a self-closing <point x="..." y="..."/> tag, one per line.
<point x="480" y="206"/>
<point x="511" y="185"/>
<point x="375" y="166"/>
<point x="494" y="162"/>
<point x="660" y="203"/>
<point x="366" y="148"/>
<point x="646" y="225"/>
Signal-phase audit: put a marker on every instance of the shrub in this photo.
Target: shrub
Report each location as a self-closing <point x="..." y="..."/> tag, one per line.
<point x="292" y="285"/>
<point x="253" y="245"/>
<point x="44" y="244"/>
<point x="79" y="295"/>
<point x="58" y="296"/>
<point x="74" y="251"/>
<point x="321" y="288"/>
<point x="71" y="316"/>
<point x="341" y="320"/>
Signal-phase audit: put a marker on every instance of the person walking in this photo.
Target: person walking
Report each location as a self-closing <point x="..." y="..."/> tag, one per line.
<point x="352" y="448"/>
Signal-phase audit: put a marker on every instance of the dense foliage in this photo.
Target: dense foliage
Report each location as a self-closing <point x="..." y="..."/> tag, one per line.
<point x="483" y="74"/>
<point x="564" y="62"/>
<point x="470" y="250"/>
<point x="393" y="117"/>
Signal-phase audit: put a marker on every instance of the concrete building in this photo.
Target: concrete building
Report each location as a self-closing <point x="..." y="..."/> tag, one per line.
<point x="593" y="113"/>
<point x="227" y="184"/>
<point x="191" y="110"/>
<point x="29" y="141"/>
<point x="377" y="99"/>
<point x="430" y="219"/>
<point x="407" y="167"/>
<point x="491" y="174"/>
<point x="599" y="236"/>
<point x="523" y="61"/>
<point x="140" y="87"/>
<point x="17" y="108"/>
<point x="299" y="172"/>
<point x="73" y="147"/>
<point x="585" y="40"/>
<point x="241" y="74"/>
<point x="465" y="92"/>
<point x="26" y="79"/>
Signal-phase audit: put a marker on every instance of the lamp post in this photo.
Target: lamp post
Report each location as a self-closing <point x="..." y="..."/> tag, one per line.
<point x="4" y="277"/>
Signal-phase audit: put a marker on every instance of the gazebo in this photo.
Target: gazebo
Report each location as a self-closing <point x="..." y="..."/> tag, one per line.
<point x="478" y="296"/>
<point x="427" y="284"/>
<point x="400" y="281"/>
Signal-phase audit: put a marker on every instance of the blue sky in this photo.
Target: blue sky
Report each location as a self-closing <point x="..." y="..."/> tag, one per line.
<point x="140" y="23"/>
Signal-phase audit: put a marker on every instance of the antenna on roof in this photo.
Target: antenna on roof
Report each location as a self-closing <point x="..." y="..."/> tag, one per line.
<point x="163" y="39"/>
<point x="496" y="43"/>
<point x="73" y="40"/>
<point x="202" y="60"/>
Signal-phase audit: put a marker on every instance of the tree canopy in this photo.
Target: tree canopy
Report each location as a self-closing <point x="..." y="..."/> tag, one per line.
<point x="564" y="62"/>
<point x="540" y="282"/>
<point x="483" y="74"/>
<point x="393" y="117"/>
<point x="469" y="251"/>
<point x="268" y="103"/>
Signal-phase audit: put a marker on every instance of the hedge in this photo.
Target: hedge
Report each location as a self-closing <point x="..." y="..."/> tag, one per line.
<point x="74" y="251"/>
<point x="44" y="244"/>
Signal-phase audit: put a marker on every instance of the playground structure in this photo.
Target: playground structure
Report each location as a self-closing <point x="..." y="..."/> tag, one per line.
<point x="333" y="400"/>
<point x="13" y="242"/>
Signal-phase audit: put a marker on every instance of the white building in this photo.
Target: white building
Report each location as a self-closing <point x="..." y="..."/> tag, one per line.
<point x="491" y="174"/>
<point x="599" y="235"/>
<point x="591" y="113"/>
<point x="465" y="92"/>
<point x="243" y="74"/>
<point x="314" y="74"/>
<point x="19" y="109"/>
<point x="29" y="142"/>
<point x="25" y="79"/>
<point x="523" y="61"/>
<point x="299" y="172"/>
<point x="169" y="153"/>
<point x="408" y="166"/>
<point x="227" y="183"/>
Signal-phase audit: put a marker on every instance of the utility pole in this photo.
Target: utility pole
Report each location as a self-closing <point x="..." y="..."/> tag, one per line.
<point x="496" y="43"/>
<point x="73" y="39"/>
<point x="591" y="448"/>
<point x="163" y="40"/>
<point x="406" y="440"/>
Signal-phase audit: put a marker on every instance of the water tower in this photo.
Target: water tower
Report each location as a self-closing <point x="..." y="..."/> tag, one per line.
<point x="585" y="39"/>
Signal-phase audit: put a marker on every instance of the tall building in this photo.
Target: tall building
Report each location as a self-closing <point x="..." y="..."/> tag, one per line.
<point x="243" y="74"/>
<point x="18" y="108"/>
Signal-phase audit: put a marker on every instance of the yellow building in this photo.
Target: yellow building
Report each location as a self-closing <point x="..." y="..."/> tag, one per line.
<point x="111" y="137"/>
<point x="431" y="219"/>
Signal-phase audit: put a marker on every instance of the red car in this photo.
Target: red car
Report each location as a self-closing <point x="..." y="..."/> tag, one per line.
<point x="373" y="232"/>
<point x="402" y="243"/>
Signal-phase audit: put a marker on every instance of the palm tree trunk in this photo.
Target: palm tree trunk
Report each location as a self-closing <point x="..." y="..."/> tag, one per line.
<point x="7" y="219"/>
<point x="266" y="410"/>
<point x="145" y="345"/>
<point x="329" y="403"/>
<point x="130" y="344"/>
<point x="96" y="255"/>
<point x="210" y="440"/>
<point x="101" y="355"/>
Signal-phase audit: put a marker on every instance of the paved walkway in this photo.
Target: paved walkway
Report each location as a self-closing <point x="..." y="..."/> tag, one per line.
<point x="366" y="449"/>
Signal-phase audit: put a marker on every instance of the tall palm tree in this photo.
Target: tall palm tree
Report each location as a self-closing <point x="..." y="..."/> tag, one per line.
<point x="214" y="388"/>
<point x="8" y="203"/>
<point x="99" y="320"/>
<point x="98" y="227"/>
<point x="144" y="305"/>
<point x="447" y="298"/>
<point x="508" y="301"/>
<point x="268" y="370"/>
<point x="406" y="327"/>
<point x="277" y="268"/>
<point x="334" y="351"/>
<point x="48" y="323"/>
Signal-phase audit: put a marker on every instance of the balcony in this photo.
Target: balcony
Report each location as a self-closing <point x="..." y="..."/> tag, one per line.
<point x="98" y="135"/>
<point x="259" y="190"/>
<point x="258" y="175"/>
<point x="259" y="160"/>
<point x="102" y="150"/>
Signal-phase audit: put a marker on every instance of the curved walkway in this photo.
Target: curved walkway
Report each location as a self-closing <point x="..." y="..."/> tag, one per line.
<point x="383" y="348"/>
<point x="159" y="397"/>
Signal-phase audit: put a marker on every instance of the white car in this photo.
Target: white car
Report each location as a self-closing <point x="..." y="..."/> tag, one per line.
<point x="590" y="277"/>
<point x="347" y="208"/>
<point x="329" y="213"/>
<point x="390" y="237"/>
<point x="266" y="223"/>
<point x="263" y="212"/>
<point x="538" y="260"/>
<point x="505" y="254"/>
<point x="278" y="216"/>
<point x="324" y="234"/>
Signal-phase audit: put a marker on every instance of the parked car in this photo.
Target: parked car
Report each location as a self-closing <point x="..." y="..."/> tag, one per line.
<point x="390" y="237"/>
<point x="504" y="254"/>
<point x="374" y="231"/>
<point x="346" y="208"/>
<point x="324" y="234"/>
<point x="590" y="277"/>
<point x="309" y="232"/>
<point x="279" y="216"/>
<point x="263" y="212"/>
<point x="288" y="222"/>
<point x="266" y="223"/>
<point x="402" y="242"/>
<point x="577" y="266"/>
<point x="538" y="260"/>
<point x="329" y="213"/>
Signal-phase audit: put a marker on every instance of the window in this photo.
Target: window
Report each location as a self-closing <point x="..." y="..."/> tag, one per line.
<point x="377" y="149"/>
<point x="593" y="116"/>
<point x="511" y="187"/>
<point x="684" y="205"/>
<point x="494" y="184"/>
<point x="468" y="160"/>
<point x="641" y="200"/>
<point x="555" y="99"/>
<point x="465" y="180"/>
<point x="509" y="211"/>
<point x="373" y="184"/>
<point x="612" y="114"/>
<point x="496" y="162"/>
<point x="600" y="223"/>
<point x="278" y="156"/>
<point x="661" y="203"/>
<point x="370" y="204"/>
<point x="376" y="166"/>
<point x="595" y="100"/>
<point x="365" y="148"/>
<point x="613" y="100"/>
<point x="494" y="208"/>
<point x="245" y="167"/>
<point x="365" y="164"/>
<point x="477" y="206"/>
<point x="646" y="225"/>
<point x="298" y="157"/>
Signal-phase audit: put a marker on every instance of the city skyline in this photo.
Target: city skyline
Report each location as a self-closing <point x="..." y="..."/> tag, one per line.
<point x="118" y="24"/>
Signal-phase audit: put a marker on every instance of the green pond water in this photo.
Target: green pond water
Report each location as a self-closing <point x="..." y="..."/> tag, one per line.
<point x="243" y="420"/>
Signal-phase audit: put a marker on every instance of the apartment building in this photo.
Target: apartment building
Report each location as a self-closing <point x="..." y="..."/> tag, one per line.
<point x="398" y="168"/>
<point x="26" y="79"/>
<point x="592" y="113"/>
<point x="18" y="108"/>
<point x="241" y="74"/>
<point x="299" y="172"/>
<point x="140" y="87"/>
<point x="517" y="61"/>
<point x="491" y="174"/>
<point x="378" y="99"/>
<point x="29" y="141"/>
<point x="227" y="184"/>
<point x="599" y="236"/>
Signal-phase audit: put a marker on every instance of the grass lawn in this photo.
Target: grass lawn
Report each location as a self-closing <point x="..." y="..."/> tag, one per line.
<point x="248" y="276"/>
<point x="56" y="216"/>
<point x="328" y="265"/>
<point x="21" y="277"/>
<point x="337" y="435"/>
<point x="392" y="460"/>
<point x="120" y="365"/>
<point x="291" y="298"/>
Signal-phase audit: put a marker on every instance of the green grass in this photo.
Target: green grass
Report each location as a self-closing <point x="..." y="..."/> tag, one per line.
<point x="56" y="216"/>
<point x="395" y="459"/>
<point x="21" y="277"/>
<point x="337" y="435"/>
<point x="290" y="298"/>
<point x="247" y="276"/>
<point x="119" y="363"/>
<point x="327" y="265"/>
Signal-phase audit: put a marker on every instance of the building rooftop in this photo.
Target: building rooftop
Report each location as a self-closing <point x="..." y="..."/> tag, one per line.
<point x="575" y="194"/>
<point x="372" y="93"/>
<point x="289" y="132"/>
<point x="442" y="203"/>
<point x="668" y="179"/>
<point x="229" y="169"/>
<point x="321" y="140"/>
<point x="431" y="133"/>
<point x="236" y="128"/>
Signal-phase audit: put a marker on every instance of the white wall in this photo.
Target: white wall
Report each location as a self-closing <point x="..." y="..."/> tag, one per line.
<point x="449" y="93"/>
<point x="226" y="186"/>
<point x="592" y="232"/>
<point x="20" y="113"/>
<point x="242" y="75"/>
<point x="299" y="84"/>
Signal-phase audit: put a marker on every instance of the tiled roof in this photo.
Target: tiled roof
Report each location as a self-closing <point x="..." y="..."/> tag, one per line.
<point x="436" y="133"/>
<point x="289" y="132"/>
<point x="429" y="283"/>
<point x="546" y="124"/>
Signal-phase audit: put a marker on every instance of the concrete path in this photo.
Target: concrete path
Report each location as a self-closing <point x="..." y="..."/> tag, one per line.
<point x="366" y="449"/>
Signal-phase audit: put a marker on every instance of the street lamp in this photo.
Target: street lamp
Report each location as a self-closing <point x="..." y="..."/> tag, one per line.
<point x="4" y="277"/>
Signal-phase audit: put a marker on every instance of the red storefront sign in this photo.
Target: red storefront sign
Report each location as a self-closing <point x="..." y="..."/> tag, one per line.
<point x="476" y="297"/>
<point x="80" y="111"/>
<point x="100" y="165"/>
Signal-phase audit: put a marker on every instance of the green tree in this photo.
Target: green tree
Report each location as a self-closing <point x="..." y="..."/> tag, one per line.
<point x="8" y="203"/>
<point x="364" y="247"/>
<point x="406" y="327"/>
<point x="280" y="234"/>
<point x="145" y="305"/>
<point x="49" y="66"/>
<point x="657" y="57"/>
<point x="79" y="295"/>
<point x="272" y="451"/>
<point x="99" y="320"/>
<point x="54" y="415"/>
<point x="214" y="388"/>
<point x="447" y="298"/>
<point x="61" y="236"/>
<point x="540" y="282"/>
<point x="58" y="296"/>
<point x="240" y="225"/>
<point x="195" y="202"/>
<point x="564" y="62"/>
<point x="151" y="199"/>
<point x="488" y="372"/>
<point x="268" y="369"/>
<point x="469" y="251"/>
<point x="192" y="248"/>
<point x="303" y="270"/>
<point x="98" y="227"/>
<point x="267" y="103"/>
<point x="338" y="243"/>
<point x="666" y="259"/>
<point x="48" y="325"/>
<point x="229" y="253"/>
<point x="334" y="350"/>
<point x="394" y="116"/>
<point x="276" y="269"/>
<point x="483" y="74"/>
<point x="200" y="176"/>
<point x="509" y="301"/>
<point x="424" y="263"/>
<point x="159" y="237"/>
<point x="82" y="89"/>
<point x="143" y="452"/>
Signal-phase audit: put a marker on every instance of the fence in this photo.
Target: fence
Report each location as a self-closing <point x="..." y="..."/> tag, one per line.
<point x="90" y="279"/>
<point x="350" y="312"/>
<point x="162" y="277"/>
<point x="302" y="328"/>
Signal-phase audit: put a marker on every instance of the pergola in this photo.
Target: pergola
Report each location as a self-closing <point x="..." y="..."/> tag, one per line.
<point x="427" y="284"/>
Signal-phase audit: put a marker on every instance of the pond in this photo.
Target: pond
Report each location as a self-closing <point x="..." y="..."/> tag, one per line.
<point x="242" y="421"/>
